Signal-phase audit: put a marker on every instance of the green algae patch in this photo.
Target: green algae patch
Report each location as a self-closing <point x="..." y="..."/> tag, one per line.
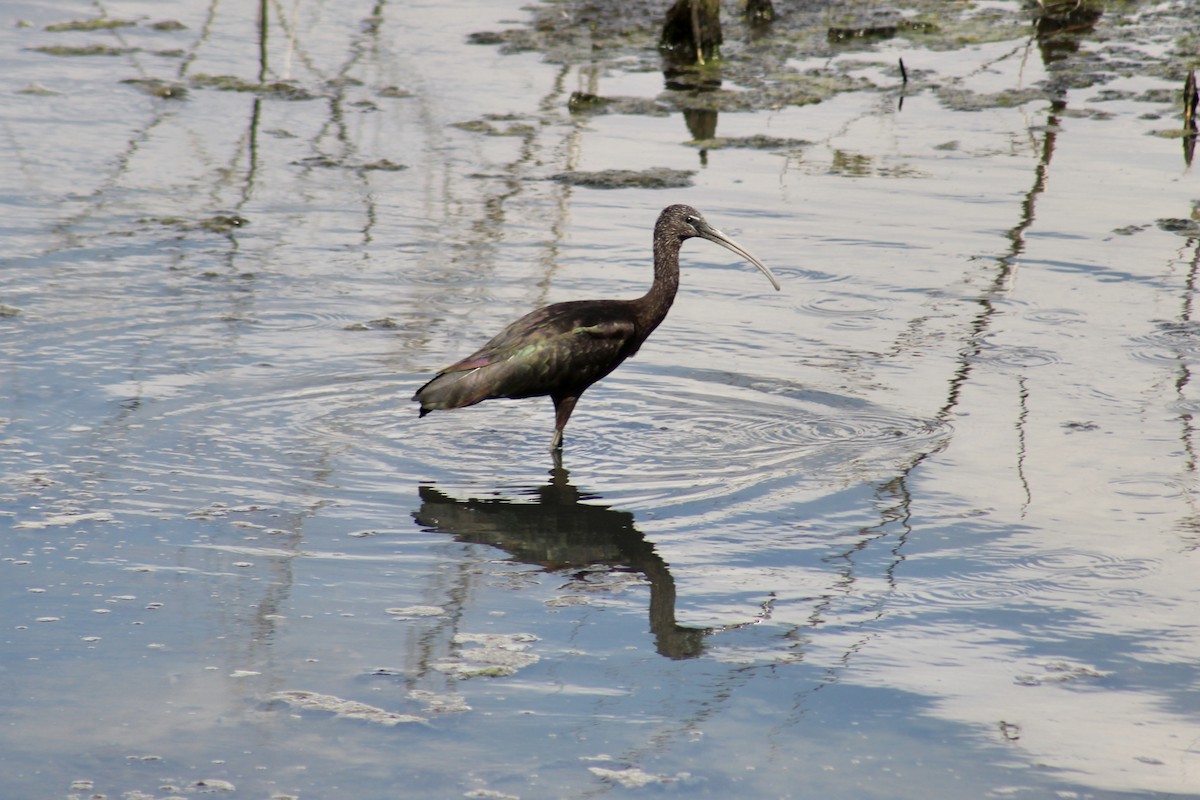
<point x="218" y="223"/>
<point x="1173" y="133"/>
<point x="284" y="90"/>
<point x="84" y="50"/>
<point x="222" y="223"/>
<point x="382" y="165"/>
<point x="758" y="142"/>
<point x="156" y="87"/>
<point x="956" y="98"/>
<point x="582" y="103"/>
<point x="1181" y="227"/>
<point x="488" y="127"/>
<point x="328" y="162"/>
<point x="90" y="25"/>
<point x="38" y="90"/>
<point x="653" y="178"/>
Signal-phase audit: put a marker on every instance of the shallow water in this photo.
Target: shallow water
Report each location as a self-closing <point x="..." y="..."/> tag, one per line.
<point x="922" y="524"/>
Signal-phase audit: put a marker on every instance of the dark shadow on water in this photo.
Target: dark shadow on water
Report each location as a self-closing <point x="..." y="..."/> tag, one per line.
<point x="560" y="532"/>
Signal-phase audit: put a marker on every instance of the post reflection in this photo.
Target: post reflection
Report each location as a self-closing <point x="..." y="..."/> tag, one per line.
<point x="560" y="533"/>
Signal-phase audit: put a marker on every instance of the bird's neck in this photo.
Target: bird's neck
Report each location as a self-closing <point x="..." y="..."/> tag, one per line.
<point x="654" y="305"/>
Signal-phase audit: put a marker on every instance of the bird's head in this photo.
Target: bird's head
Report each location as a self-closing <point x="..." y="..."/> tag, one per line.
<point x="686" y="222"/>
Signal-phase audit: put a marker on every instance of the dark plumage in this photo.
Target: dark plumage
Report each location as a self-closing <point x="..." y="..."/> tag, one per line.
<point x="564" y="348"/>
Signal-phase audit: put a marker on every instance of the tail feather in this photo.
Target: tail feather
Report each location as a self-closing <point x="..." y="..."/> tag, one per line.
<point x="451" y="390"/>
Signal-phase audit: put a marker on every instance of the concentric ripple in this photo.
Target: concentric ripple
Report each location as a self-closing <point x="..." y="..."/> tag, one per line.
<point x="1014" y="356"/>
<point x="846" y="310"/>
<point x="709" y="437"/>
<point x="1056" y="316"/>
<point x="1171" y="342"/>
<point x="1059" y="578"/>
<point x="1091" y="565"/>
<point x="1074" y="566"/>
<point x="661" y="440"/>
<point x="973" y="591"/>
<point x="1149" y="486"/>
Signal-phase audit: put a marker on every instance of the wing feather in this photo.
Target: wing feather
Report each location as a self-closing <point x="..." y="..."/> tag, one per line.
<point x="561" y="348"/>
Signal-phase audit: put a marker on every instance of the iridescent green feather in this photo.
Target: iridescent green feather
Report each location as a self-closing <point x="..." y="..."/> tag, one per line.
<point x="559" y="348"/>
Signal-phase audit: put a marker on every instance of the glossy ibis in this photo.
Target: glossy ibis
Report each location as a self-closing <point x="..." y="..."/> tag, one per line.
<point x="564" y="348"/>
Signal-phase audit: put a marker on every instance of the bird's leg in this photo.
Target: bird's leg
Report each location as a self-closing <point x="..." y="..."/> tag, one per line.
<point x="563" y="406"/>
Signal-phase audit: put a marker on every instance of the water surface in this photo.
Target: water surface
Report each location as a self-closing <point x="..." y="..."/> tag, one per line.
<point x="921" y="524"/>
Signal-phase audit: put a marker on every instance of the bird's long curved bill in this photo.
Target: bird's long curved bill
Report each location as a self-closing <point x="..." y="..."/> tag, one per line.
<point x="714" y="235"/>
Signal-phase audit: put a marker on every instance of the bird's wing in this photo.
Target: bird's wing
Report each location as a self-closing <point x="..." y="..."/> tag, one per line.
<point x="550" y="329"/>
<point x="558" y="348"/>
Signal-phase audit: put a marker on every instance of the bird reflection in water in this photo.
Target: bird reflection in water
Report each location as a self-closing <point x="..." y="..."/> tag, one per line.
<point x="559" y="533"/>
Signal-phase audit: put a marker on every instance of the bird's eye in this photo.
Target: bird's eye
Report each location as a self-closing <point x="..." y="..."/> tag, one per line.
<point x="693" y="221"/>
